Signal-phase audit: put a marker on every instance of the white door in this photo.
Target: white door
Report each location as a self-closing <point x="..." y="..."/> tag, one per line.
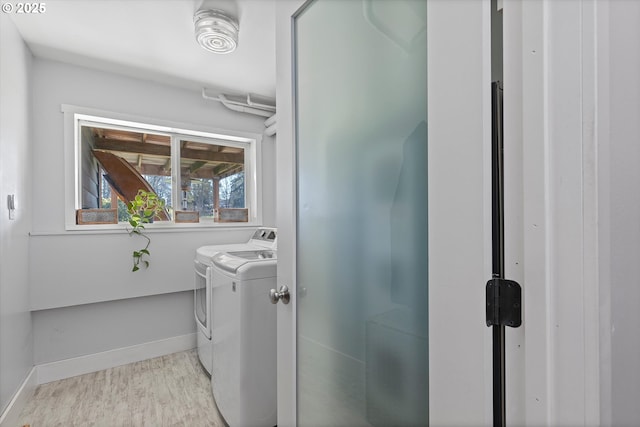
<point x="384" y="212"/>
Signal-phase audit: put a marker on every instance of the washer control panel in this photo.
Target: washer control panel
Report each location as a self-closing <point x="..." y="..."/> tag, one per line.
<point x="267" y="235"/>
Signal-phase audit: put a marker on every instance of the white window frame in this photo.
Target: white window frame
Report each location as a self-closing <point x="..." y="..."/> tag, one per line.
<point x="75" y="116"/>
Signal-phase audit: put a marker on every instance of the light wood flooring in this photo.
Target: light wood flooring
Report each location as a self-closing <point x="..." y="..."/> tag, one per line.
<point x="171" y="390"/>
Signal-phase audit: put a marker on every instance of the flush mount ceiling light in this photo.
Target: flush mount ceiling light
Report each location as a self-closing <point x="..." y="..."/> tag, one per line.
<point x="215" y="31"/>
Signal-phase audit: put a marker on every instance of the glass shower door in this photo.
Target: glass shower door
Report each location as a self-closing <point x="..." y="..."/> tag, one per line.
<point x="362" y="255"/>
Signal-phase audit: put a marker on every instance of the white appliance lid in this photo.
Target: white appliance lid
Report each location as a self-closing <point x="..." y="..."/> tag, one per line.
<point x="262" y="238"/>
<point x="205" y="253"/>
<point x="247" y="264"/>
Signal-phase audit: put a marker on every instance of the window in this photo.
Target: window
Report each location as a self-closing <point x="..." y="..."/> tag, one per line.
<point x="203" y="177"/>
<point x="212" y="178"/>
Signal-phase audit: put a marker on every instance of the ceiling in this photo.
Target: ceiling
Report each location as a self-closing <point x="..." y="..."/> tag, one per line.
<point x="154" y="40"/>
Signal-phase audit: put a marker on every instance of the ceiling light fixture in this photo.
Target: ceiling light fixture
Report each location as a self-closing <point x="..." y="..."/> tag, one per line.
<point x="215" y="31"/>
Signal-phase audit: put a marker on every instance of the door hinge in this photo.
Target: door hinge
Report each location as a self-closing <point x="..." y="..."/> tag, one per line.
<point x="504" y="303"/>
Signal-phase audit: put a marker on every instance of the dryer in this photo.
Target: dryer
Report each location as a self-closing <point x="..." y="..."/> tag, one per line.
<point x="262" y="238"/>
<point x="243" y="378"/>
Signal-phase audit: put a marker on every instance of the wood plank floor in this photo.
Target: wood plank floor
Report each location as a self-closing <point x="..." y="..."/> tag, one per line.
<point x="171" y="390"/>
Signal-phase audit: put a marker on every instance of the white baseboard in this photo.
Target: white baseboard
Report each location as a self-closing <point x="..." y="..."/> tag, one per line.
<point x="10" y="416"/>
<point x="68" y="368"/>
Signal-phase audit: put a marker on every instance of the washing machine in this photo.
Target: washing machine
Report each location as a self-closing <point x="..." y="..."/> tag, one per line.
<point x="243" y="376"/>
<point x="262" y="238"/>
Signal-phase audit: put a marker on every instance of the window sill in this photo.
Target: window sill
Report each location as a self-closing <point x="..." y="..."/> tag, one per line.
<point x="149" y="228"/>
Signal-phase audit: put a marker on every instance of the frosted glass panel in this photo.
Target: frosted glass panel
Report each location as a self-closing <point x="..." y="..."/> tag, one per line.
<point x="361" y="107"/>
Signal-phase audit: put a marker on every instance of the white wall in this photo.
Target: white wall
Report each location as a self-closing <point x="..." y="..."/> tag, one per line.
<point x="74" y="268"/>
<point x="16" y="348"/>
<point x="109" y="325"/>
<point x="624" y="221"/>
<point x="573" y="119"/>
<point x="551" y="202"/>
<point x="88" y="268"/>
<point x="56" y="83"/>
<point x="567" y="98"/>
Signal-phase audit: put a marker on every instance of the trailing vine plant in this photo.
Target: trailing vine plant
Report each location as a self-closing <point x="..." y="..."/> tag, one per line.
<point x="143" y="209"/>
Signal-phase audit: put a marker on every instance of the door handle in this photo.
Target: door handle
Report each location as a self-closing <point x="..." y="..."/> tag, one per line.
<point x="281" y="295"/>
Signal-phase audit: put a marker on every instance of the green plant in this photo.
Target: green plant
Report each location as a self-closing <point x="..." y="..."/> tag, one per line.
<point x="143" y="209"/>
